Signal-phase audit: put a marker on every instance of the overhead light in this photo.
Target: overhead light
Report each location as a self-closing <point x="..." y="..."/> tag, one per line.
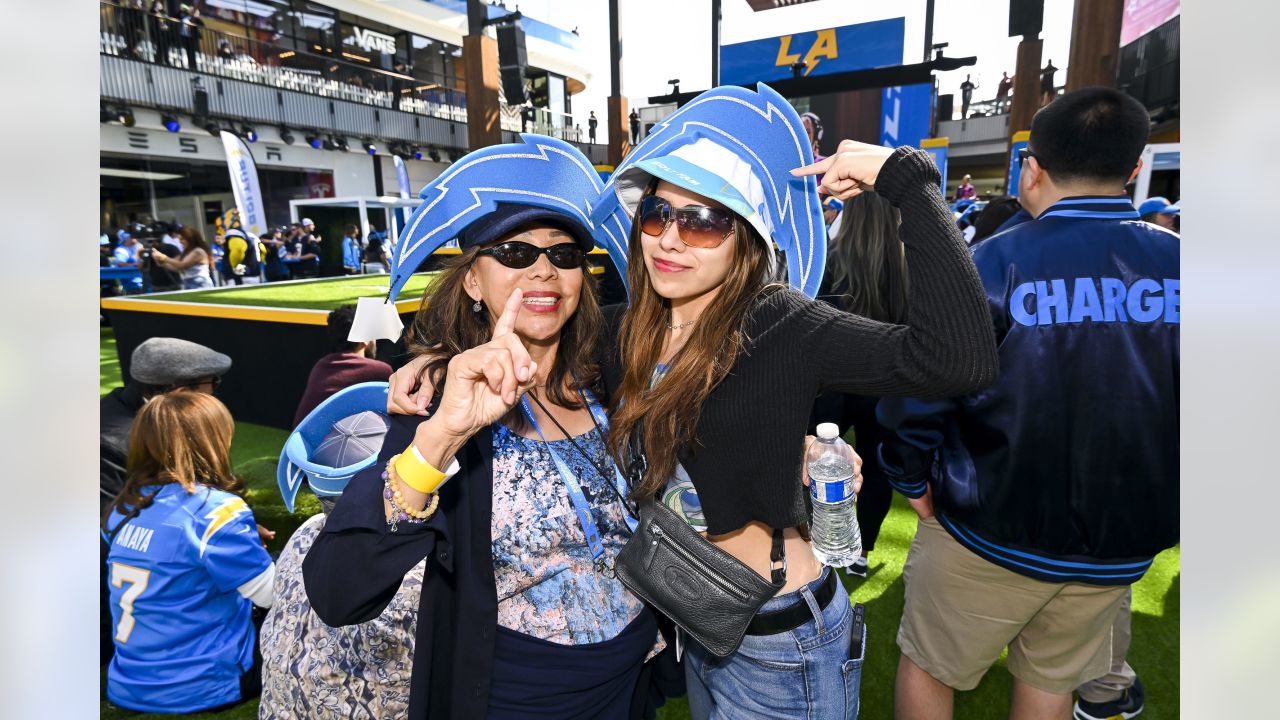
<point x="286" y="136"/>
<point x="340" y="142"/>
<point x="369" y="147"/>
<point x="249" y="133"/>
<point x="170" y="123"/>
<point x="125" y="117"/>
<point x="105" y="115"/>
<point x="288" y="54"/>
<point x="417" y="154"/>
<point x="454" y="155"/>
<point x="434" y="154"/>
<point x="314" y="141"/>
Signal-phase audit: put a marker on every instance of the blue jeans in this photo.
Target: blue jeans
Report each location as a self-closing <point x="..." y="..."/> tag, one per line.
<point x="804" y="673"/>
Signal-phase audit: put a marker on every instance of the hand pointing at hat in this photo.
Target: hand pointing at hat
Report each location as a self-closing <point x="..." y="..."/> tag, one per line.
<point x="481" y="386"/>
<point x="853" y="169"/>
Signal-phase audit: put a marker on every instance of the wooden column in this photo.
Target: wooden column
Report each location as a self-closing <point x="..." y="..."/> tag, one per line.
<point x="1095" y="43"/>
<point x="619" y="130"/>
<point x="1026" y="92"/>
<point x="480" y="60"/>
<point x="1026" y="85"/>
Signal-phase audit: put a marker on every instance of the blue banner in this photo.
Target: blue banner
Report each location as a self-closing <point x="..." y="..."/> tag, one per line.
<point x="904" y="114"/>
<point x="938" y="149"/>
<point x="1020" y="139"/>
<point x="823" y="52"/>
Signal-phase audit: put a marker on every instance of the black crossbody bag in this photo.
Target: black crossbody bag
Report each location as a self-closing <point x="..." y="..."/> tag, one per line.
<point x="709" y="593"/>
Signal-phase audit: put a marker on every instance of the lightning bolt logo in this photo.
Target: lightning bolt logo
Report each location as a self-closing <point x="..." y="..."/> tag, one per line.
<point x="220" y="516"/>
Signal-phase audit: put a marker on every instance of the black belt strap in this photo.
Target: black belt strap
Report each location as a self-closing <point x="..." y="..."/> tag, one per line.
<point x="790" y="618"/>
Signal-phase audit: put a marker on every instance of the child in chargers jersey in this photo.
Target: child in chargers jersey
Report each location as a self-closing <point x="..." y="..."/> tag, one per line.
<point x="185" y="564"/>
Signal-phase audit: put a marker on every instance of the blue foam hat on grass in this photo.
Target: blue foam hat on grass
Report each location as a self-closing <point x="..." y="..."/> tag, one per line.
<point x="338" y="439"/>
<point x="545" y="176"/>
<point x="737" y="147"/>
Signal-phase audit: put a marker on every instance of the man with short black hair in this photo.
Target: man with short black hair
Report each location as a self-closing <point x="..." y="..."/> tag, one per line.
<point x="348" y="363"/>
<point x="1046" y="496"/>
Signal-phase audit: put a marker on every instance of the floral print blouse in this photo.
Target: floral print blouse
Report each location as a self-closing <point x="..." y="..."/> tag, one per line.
<point x="312" y="671"/>
<point x="547" y="585"/>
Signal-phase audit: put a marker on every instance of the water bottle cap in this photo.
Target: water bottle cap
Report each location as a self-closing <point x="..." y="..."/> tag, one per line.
<point x="828" y="431"/>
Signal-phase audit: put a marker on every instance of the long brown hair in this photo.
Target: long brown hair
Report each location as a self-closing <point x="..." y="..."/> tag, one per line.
<point x="866" y="262"/>
<point x="181" y="437"/>
<point x="194" y="240"/>
<point x="671" y="408"/>
<point x="446" y="325"/>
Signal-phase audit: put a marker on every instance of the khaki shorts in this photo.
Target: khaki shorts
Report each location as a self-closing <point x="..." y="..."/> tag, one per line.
<point x="962" y="610"/>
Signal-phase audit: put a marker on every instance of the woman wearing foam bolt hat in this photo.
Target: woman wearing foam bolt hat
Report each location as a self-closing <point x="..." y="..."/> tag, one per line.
<point x="716" y="368"/>
<point x="722" y="366"/>
<point x="516" y="620"/>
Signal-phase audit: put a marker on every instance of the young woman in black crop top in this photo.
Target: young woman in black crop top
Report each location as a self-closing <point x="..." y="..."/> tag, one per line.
<point x="723" y="366"/>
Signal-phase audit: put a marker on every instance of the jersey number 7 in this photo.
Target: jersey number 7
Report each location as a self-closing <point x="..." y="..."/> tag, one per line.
<point x="137" y="579"/>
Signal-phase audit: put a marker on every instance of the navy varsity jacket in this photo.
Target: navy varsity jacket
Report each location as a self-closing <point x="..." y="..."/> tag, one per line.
<point x="1066" y="469"/>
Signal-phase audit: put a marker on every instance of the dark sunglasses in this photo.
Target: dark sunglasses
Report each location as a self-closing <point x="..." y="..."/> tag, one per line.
<point x="518" y="255"/>
<point x="698" y="226"/>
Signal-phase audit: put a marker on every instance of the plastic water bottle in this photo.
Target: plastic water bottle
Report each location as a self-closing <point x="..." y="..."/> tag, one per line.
<point x="837" y="540"/>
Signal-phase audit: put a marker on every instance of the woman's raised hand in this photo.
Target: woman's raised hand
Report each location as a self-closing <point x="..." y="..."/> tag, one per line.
<point x="853" y="169"/>
<point x="484" y="382"/>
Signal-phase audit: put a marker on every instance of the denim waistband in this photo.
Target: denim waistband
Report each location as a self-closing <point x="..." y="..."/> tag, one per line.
<point x="780" y="602"/>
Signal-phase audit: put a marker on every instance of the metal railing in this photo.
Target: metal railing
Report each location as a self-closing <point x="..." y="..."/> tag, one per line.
<point x="132" y="34"/>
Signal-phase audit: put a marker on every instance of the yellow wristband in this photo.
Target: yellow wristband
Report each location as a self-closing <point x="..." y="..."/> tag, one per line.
<point x="417" y="473"/>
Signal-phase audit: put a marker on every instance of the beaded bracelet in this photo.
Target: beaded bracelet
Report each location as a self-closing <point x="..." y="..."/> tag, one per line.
<point x="400" y="509"/>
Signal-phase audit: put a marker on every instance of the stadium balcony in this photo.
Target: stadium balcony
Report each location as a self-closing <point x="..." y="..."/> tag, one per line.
<point x="221" y="77"/>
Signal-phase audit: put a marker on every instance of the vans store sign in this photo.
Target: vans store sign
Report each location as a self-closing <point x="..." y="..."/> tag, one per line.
<point x="371" y="41"/>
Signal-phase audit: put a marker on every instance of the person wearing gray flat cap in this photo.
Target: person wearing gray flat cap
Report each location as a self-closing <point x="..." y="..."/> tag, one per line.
<point x="157" y="366"/>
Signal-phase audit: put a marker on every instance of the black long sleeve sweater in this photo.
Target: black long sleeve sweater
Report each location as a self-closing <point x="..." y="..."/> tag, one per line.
<point x="746" y="463"/>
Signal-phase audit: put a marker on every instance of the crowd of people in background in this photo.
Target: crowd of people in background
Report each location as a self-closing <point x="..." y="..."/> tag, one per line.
<point x="171" y="256"/>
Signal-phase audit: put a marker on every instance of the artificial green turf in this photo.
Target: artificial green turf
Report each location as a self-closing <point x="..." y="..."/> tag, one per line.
<point x="325" y="294"/>
<point x="1154" y="654"/>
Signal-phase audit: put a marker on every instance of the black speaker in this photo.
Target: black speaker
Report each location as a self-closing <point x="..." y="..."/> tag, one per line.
<point x="512" y="60"/>
<point x="946" y="106"/>
<point x="1026" y="18"/>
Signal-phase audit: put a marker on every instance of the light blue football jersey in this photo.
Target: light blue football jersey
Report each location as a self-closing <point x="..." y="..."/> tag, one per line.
<point x="183" y="633"/>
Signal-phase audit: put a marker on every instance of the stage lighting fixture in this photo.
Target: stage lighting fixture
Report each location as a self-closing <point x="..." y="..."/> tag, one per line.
<point x="249" y="133"/>
<point x="314" y="142"/>
<point x="454" y="155"/>
<point x="105" y="115"/>
<point x="286" y="136"/>
<point x="434" y="154"/>
<point x="417" y="154"/>
<point x="339" y="142"/>
<point x="369" y="147"/>
<point x="170" y="123"/>
<point x="213" y="128"/>
<point x="125" y="116"/>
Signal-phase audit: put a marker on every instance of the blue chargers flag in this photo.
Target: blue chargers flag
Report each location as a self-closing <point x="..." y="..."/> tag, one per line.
<point x="299" y="460"/>
<point x="737" y="147"/>
<point x="539" y="170"/>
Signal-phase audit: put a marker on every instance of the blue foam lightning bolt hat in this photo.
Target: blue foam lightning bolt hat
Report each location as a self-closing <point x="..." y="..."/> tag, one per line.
<point x="338" y="439"/>
<point x="738" y="148"/>
<point x="539" y="172"/>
